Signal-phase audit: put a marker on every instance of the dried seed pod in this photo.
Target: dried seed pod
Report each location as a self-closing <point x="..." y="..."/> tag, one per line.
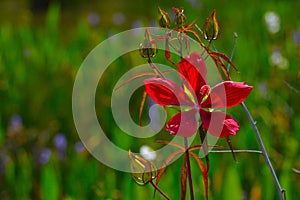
<point x="142" y="170"/>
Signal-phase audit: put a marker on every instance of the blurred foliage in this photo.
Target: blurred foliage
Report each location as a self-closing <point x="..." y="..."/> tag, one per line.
<point x="41" y="49"/>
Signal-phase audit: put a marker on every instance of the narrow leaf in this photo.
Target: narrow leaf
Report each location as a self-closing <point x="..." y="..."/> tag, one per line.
<point x="175" y="144"/>
<point x="204" y="172"/>
<point x="198" y="38"/>
<point x="141" y="75"/>
<point x="142" y="106"/>
<point x="135" y="77"/>
<point x="223" y="56"/>
<point x="199" y="146"/>
<point x="167" y="50"/>
<point x="218" y="62"/>
<point x="166" y="162"/>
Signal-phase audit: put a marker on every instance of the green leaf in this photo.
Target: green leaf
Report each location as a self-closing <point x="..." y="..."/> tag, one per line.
<point x="232" y="189"/>
<point x="49" y="183"/>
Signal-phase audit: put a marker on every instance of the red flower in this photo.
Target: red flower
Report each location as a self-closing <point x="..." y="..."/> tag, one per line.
<point x="204" y="101"/>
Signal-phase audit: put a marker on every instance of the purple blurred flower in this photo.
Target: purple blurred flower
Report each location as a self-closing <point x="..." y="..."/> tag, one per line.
<point x="16" y="122"/>
<point x="44" y="155"/>
<point x="60" y="143"/>
<point x="3" y="160"/>
<point x="195" y="3"/>
<point x="118" y="18"/>
<point x="153" y="23"/>
<point x="244" y="195"/>
<point x="296" y="36"/>
<point x="135" y="25"/>
<point x="93" y="19"/>
<point x="79" y="147"/>
<point x="27" y="52"/>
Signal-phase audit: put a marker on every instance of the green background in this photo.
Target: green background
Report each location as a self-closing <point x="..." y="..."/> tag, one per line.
<point x="41" y="49"/>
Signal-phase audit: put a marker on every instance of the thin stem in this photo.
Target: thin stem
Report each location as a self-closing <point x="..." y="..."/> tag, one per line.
<point x="264" y="152"/>
<point x="236" y="151"/>
<point x="188" y="168"/>
<point x="292" y="88"/>
<point x="235" y="36"/>
<point x="281" y="192"/>
<point x="159" y="190"/>
<point x="155" y="68"/>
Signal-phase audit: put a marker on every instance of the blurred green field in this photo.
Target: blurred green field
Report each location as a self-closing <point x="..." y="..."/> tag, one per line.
<point x="41" y="156"/>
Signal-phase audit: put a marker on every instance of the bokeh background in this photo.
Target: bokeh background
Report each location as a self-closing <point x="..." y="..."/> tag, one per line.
<point x="42" y="45"/>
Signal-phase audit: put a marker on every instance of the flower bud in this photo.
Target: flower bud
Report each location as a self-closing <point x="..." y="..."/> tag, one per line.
<point x="180" y="18"/>
<point x="163" y="19"/>
<point x="147" y="50"/>
<point x="142" y="170"/>
<point x="204" y="93"/>
<point x="211" y="27"/>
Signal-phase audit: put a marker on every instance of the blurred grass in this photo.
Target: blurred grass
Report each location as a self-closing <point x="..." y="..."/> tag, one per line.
<point x="39" y="57"/>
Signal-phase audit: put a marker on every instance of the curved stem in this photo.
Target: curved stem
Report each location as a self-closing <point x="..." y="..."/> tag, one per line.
<point x="188" y="168"/>
<point x="156" y="70"/>
<point x="264" y="152"/>
<point x="159" y="190"/>
<point x="281" y="192"/>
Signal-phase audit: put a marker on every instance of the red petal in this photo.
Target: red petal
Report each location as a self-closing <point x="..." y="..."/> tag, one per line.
<point x="219" y="124"/>
<point x="193" y="69"/>
<point x="183" y="124"/>
<point x="227" y="94"/>
<point x="166" y="92"/>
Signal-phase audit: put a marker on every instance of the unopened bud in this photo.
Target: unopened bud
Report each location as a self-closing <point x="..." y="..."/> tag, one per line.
<point x="180" y="18"/>
<point x="163" y="19"/>
<point x="211" y="27"/>
<point x="147" y="50"/>
<point x="204" y="93"/>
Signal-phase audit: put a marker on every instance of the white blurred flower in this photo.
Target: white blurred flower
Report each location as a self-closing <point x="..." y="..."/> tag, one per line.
<point x="272" y="21"/>
<point x="147" y="153"/>
<point x="278" y="60"/>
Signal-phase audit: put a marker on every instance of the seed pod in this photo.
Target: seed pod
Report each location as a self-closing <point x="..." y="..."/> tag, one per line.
<point x="211" y="27"/>
<point x="142" y="170"/>
<point x="180" y="18"/>
<point x="163" y="19"/>
<point x="147" y="50"/>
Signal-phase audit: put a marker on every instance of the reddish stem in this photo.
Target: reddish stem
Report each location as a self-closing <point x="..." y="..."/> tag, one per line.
<point x="159" y="190"/>
<point x="188" y="168"/>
